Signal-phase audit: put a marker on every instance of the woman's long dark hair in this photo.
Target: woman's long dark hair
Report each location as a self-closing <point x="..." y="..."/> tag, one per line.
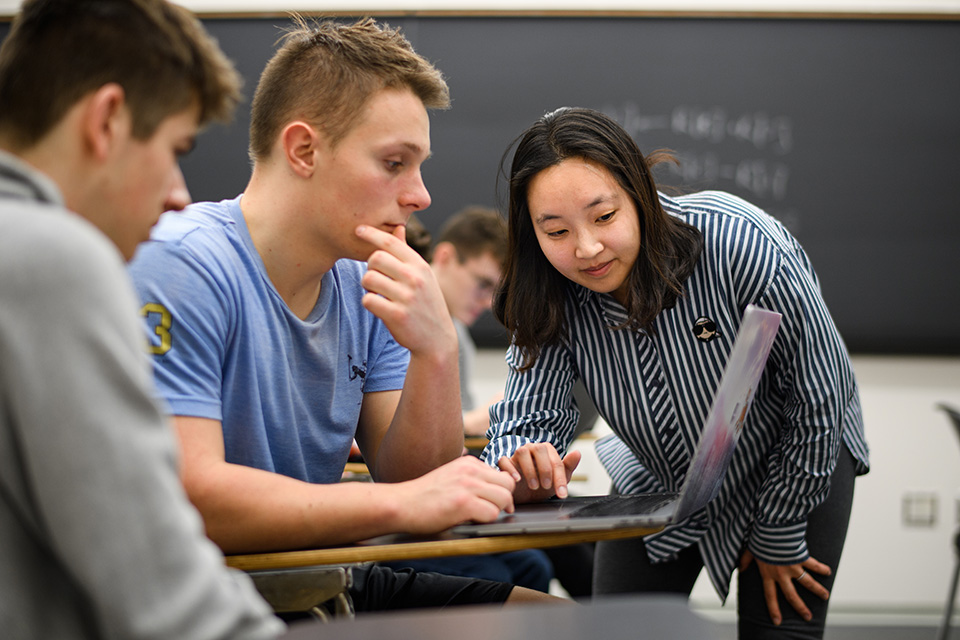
<point x="532" y="297"/>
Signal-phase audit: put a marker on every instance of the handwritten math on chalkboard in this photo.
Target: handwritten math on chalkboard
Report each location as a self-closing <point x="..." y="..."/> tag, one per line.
<point x="847" y="130"/>
<point x="758" y="168"/>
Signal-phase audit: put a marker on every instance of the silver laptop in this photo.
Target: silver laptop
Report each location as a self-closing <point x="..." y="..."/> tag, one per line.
<point x="708" y="467"/>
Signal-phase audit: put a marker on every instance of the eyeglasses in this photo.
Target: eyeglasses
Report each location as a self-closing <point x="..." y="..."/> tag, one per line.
<point x="484" y="285"/>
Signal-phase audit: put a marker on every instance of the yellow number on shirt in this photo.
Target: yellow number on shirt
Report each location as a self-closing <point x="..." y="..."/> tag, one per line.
<point x="160" y="319"/>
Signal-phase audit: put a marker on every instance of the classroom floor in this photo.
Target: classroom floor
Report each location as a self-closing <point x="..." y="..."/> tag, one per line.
<point x="879" y="633"/>
<point x="844" y="625"/>
<point x="852" y="625"/>
<point x="871" y="632"/>
<point x="861" y="633"/>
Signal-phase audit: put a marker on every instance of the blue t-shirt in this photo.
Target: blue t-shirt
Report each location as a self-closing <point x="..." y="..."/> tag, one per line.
<point x="227" y="347"/>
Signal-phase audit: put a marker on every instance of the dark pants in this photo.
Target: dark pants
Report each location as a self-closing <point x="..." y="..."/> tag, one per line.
<point x="573" y="568"/>
<point x="530" y="568"/>
<point x="622" y="566"/>
<point x="377" y="588"/>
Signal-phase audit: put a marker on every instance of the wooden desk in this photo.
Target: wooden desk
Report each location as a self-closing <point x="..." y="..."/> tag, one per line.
<point x="406" y="547"/>
<point x="359" y="471"/>
<point x="475" y="443"/>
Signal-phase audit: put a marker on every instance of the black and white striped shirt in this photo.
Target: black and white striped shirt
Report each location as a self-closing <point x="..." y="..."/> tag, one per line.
<point x="655" y="391"/>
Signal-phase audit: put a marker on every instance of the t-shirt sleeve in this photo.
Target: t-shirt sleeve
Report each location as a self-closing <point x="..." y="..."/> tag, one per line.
<point x="387" y="367"/>
<point x="188" y="314"/>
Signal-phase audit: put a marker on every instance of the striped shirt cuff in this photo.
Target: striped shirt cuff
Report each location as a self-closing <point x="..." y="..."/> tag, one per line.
<point x="779" y="544"/>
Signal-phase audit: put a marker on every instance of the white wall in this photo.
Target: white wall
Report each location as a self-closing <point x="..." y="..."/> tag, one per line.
<point x="887" y="566"/>
<point x="914" y="448"/>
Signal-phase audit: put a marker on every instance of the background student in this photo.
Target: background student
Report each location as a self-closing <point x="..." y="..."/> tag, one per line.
<point x="97" y="538"/>
<point x="467" y="260"/>
<point x="610" y="281"/>
<point x="275" y="345"/>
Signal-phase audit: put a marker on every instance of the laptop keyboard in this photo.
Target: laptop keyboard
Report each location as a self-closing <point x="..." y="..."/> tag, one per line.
<point x="634" y="504"/>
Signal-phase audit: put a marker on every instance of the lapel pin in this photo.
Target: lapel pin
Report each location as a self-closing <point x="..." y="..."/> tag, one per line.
<point x="705" y="329"/>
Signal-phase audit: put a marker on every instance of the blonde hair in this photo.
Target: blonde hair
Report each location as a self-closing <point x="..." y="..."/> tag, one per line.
<point x="325" y="72"/>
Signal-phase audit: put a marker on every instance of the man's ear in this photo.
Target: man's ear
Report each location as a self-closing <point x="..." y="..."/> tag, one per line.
<point x="445" y="254"/>
<point x="105" y="119"/>
<point x="299" y="142"/>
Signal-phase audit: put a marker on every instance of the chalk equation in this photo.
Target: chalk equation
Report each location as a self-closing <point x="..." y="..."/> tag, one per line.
<point x="708" y="138"/>
<point x="761" y="177"/>
<point x="712" y="124"/>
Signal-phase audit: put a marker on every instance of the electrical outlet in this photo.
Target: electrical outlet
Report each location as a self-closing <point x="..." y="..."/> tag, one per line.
<point x="920" y="509"/>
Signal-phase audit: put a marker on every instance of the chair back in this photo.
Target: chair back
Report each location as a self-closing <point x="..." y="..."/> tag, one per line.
<point x="954" y="415"/>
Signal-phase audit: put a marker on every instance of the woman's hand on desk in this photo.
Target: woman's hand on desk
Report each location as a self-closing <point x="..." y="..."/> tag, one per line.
<point x="461" y="490"/>
<point x="539" y="471"/>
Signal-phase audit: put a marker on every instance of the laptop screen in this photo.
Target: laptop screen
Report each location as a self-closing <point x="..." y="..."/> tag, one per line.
<point x="718" y="440"/>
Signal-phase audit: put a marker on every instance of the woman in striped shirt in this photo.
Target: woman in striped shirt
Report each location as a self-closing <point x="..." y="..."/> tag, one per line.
<point x="640" y="296"/>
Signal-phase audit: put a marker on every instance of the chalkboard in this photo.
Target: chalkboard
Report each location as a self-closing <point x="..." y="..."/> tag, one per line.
<point x="847" y="130"/>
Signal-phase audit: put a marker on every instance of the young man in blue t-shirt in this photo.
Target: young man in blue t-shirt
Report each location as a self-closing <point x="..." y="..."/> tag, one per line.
<point x="276" y="345"/>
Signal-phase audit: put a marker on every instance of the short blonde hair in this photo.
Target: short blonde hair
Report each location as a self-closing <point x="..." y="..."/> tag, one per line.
<point x="325" y="72"/>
